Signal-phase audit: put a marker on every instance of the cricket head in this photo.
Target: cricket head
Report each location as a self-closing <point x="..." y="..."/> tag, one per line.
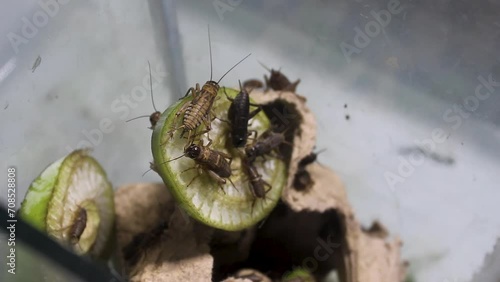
<point x="193" y="151"/>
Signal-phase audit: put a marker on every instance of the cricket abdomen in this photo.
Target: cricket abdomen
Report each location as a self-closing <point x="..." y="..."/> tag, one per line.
<point x="194" y="116"/>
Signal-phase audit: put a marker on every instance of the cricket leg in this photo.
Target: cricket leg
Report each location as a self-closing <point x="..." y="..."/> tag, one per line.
<point x="200" y="171"/>
<point x="190" y="90"/>
<point x="188" y="169"/>
<point x="207" y="122"/>
<point x="193" y="91"/>
<point x="226" y="156"/>
<point x="217" y="178"/>
<point x="253" y="204"/>
<point x="227" y="96"/>
<point x="249" y="136"/>
<point x="267" y="83"/>
<point x="268" y="185"/>
<point x="292" y="86"/>
<point x="233" y="184"/>
<point x="180" y="112"/>
<point x="254" y="112"/>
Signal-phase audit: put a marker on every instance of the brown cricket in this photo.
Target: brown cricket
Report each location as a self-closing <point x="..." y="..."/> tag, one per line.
<point x="78" y="226"/>
<point x="199" y="109"/>
<point x="256" y="182"/>
<point x="278" y="81"/>
<point x="269" y="141"/>
<point x="216" y="163"/>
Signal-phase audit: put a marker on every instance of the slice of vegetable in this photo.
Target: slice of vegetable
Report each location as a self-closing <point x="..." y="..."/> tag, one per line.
<point x="55" y="200"/>
<point x="229" y="209"/>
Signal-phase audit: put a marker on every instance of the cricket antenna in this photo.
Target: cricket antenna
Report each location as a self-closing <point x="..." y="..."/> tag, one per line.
<point x="151" y="167"/>
<point x="234" y="67"/>
<point x="137" y="118"/>
<point x="147" y="172"/>
<point x="176" y="158"/>
<point x="264" y="66"/>
<point x="320" y="151"/>
<point x="239" y="82"/>
<point x="152" y="100"/>
<point x="151" y="87"/>
<point x="210" y="51"/>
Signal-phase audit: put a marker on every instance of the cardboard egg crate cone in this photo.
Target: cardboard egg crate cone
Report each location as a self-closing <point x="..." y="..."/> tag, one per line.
<point x="301" y="223"/>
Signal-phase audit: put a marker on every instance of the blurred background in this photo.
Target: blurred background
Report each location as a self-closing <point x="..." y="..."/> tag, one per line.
<point x="406" y="93"/>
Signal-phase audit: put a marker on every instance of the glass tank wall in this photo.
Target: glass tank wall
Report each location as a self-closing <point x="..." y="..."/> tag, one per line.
<point x="387" y="80"/>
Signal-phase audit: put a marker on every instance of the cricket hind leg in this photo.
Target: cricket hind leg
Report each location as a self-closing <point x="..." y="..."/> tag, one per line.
<point x="253" y="205"/>
<point x="234" y="186"/>
<point x="219" y="180"/>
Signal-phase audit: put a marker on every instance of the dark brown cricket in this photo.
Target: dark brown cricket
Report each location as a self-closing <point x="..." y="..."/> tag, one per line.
<point x="269" y="141"/>
<point x="78" y="227"/>
<point x="278" y="81"/>
<point x="217" y="164"/>
<point x="239" y="114"/>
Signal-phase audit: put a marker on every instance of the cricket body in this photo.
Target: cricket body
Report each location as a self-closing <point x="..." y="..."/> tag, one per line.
<point x="216" y="163"/>
<point x="278" y="81"/>
<point x="256" y="182"/>
<point x="198" y="111"/>
<point x="265" y="144"/>
<point x="78" y="226"/>
<point x="154" y="118"/>
<point x="239" y="114"/>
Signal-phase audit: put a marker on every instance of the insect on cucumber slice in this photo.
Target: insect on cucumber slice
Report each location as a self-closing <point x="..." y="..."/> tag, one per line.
<point x="54" y="199"/>
<point x="228" y="209"/>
